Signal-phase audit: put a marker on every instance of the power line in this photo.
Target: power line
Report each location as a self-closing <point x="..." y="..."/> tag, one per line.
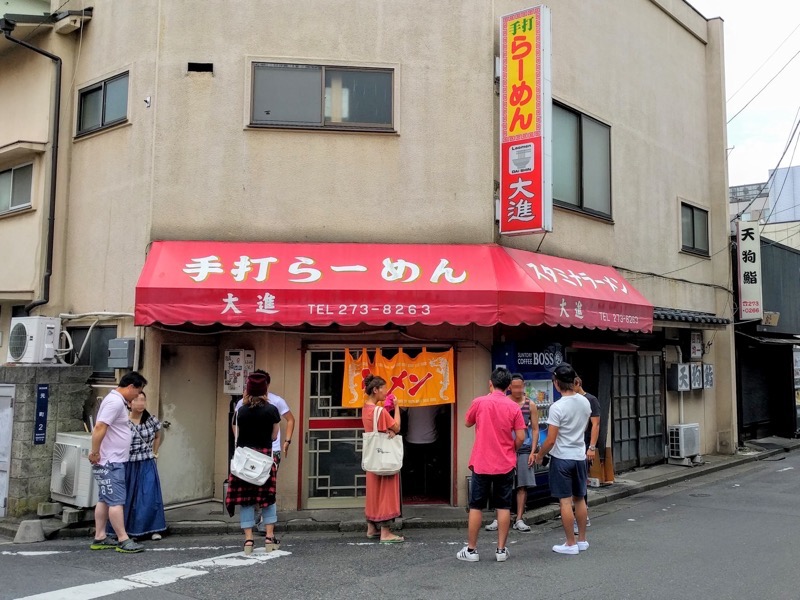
<point x="795" y="124"/>
<point x="758" y="70"/>
<point x="765" y="87"/>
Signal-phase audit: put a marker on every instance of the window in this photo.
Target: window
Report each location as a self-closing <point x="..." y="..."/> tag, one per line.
<point x="581" y="162"/>
<point x="15" y="188"/>
<point x="314" y="96"/>
<point x="95" y="352"/>
<point x="103" y="104"/>
<point x="694" y="229"/>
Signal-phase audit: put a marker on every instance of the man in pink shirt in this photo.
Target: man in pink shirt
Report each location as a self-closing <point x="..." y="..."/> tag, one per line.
<point x="499" y="432"/>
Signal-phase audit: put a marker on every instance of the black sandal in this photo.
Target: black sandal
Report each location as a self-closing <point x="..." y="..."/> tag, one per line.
<point x="271" y="543"/>
<point x="248" y="546"/>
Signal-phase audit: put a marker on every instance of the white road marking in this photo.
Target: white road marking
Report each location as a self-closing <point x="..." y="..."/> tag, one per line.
<point x="34" y="553"/>
<point x="159" y="577"/>
<point x="786" y="469"/>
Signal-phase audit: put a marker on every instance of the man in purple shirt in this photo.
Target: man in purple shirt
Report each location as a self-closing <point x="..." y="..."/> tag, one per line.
<point x="111" y="444"/>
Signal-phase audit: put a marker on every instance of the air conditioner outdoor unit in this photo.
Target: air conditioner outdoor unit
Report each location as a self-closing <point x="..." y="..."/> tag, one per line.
<point x="684" y="440"/>
<point x="72" y="481"/>
<point x="33" y="339"/>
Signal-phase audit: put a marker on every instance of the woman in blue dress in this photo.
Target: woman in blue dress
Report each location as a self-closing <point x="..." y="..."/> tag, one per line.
<point x="144" y="507"/>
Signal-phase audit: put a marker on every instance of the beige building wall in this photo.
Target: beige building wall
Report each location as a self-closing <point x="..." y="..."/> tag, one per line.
<point x="186" y="165"/>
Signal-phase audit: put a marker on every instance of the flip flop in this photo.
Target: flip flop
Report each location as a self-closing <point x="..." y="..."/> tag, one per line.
<point x="374" y="536"/>
<point x="394" y="540"/>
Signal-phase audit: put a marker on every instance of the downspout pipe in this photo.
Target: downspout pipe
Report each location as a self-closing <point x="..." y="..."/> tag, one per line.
<point x="8" y="27"/>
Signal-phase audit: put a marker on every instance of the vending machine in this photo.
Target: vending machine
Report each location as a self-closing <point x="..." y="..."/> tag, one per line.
<point x="536" y="364"/>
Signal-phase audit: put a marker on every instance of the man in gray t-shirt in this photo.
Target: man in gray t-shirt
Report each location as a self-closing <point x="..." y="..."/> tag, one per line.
<point x="567" y="420"/>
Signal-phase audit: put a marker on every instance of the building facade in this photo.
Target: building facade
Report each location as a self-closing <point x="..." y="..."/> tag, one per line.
<point x="351" y="123"/>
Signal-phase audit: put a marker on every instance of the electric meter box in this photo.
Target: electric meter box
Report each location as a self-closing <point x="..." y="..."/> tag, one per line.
<point x="120" y="353"/>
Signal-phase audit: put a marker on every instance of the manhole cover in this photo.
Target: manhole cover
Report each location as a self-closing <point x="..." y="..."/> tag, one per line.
<point x="700" y="495"/>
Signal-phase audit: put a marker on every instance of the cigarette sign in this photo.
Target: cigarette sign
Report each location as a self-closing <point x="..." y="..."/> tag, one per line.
<point x="525" y="111"/>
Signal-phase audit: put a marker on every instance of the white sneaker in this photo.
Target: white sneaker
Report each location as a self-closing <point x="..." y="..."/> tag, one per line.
<point x="564" y="549"/>
<point x="491" y="526"/>
<point x="521" y="526"/>
<point x="501" y="555"/>
<point x="465" y="554"/>
<point x="583" y="546"/>
<point x="155" y="537"/>
<point x="575" y="525"/>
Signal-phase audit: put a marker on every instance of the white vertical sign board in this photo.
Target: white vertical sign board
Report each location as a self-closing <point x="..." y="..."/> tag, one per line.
<point x="748" y="239"/>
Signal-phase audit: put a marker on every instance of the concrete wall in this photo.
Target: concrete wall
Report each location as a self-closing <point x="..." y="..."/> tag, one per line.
<point x="31" y="465"/>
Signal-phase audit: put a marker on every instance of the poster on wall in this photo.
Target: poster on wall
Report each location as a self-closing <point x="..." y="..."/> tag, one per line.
<point x="425" y="380"/>
<point x="238" y="365"/>
<point x="525" y="194"/>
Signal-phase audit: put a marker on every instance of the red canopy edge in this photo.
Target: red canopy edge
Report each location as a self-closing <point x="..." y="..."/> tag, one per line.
<point x="319" y="284"/>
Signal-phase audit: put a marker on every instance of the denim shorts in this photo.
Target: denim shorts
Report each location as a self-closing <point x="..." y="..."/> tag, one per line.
<point x="110" y="480"/>
<point x="567" y="478"/>
<point x="499" y="487"/>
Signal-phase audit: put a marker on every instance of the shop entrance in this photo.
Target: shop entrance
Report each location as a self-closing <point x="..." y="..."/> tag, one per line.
<point x="425" y="478"/>
<point x="332" y="471"/>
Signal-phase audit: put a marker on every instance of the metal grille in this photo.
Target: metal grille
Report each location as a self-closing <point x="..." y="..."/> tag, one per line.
<point x="626" y="422"/>
<point x="18" y="341"/>
<point x="651" y="411"/>
<point x="335" y="464"/>
<point x="327" y="376"/>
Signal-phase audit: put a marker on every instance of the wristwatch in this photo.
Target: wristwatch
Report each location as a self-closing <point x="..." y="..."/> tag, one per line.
<point x="287" y="441"/>
<point x="592" y="448"/>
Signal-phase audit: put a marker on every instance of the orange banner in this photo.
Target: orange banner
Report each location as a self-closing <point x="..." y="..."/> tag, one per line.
<point x="425" y="380"/>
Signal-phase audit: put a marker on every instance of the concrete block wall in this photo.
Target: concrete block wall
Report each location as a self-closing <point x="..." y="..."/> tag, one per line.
<point x="31" y="465"/>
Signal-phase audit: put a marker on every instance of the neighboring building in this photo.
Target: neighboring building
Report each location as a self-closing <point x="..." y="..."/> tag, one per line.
<point x="784" y="195"/>
<point x="369" y="122"/>
<point x="750" y="202"/>
<point x="768" y="350"/>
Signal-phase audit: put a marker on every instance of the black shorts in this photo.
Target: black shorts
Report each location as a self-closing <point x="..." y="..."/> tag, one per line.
<point x="499" y="487"/>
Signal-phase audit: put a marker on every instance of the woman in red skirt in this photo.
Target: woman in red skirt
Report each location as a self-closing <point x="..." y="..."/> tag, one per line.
<point x="383" y="491"/>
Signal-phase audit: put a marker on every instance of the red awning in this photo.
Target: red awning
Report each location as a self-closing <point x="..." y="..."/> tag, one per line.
<point x="234" y="283"/>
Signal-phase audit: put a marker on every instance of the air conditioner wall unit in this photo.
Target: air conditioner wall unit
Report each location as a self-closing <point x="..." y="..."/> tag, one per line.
<point x="72" y="481"/>
<point x="33" y="340"/>
<point x="684" y="440"/>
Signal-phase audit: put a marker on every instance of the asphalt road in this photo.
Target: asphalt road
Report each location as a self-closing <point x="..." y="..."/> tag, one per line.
<point x="733" y="534"/>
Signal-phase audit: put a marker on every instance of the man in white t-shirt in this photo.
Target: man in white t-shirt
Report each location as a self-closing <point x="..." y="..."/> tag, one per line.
<point x="111" y="446"/>
<point x="567" y="420"/>
<point x="279" y="450"/>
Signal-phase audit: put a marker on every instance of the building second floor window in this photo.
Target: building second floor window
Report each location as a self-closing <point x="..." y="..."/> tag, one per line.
<point x="15" y="188"/>
<point x="581" y="162"/>
<point x="103" y="104"/>
<point x="694" y="229"/>
<point x="316" y="96"/>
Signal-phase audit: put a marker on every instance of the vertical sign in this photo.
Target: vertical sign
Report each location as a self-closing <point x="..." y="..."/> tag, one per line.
<point x="40" y="420"/>
<point x="696" y="345"/>
<point x="748" y="250"/>
<point x="526" y="198"/>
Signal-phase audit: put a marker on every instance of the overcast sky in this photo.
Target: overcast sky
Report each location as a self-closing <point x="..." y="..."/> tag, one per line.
<point x="753" y="31"/>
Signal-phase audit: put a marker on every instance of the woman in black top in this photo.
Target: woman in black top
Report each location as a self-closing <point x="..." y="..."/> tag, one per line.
<point x="257" y="425"/>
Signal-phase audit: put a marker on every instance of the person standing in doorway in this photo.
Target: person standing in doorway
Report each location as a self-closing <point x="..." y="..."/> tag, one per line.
<point x="590" y="438"/>
<point x="524" y="477"/>
<point x="280" y="449"/>
<point x="566" y="423"/>
<point x="499" y="433"/>
<point x="111" y="443"/>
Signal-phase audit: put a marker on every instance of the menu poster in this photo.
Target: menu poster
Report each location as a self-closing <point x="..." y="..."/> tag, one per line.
<point x="238" y="365"/>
